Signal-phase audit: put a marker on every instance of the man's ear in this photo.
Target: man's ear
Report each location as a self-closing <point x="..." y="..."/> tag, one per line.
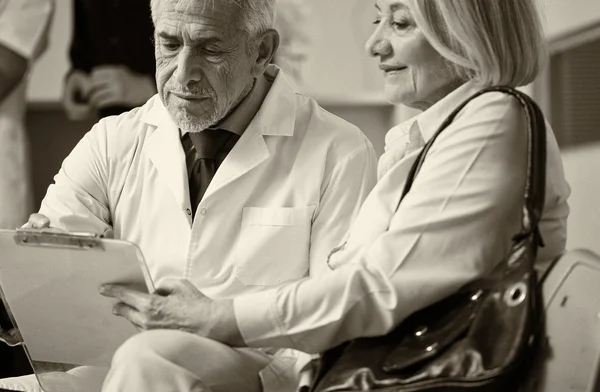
<point x="267" y="46"/>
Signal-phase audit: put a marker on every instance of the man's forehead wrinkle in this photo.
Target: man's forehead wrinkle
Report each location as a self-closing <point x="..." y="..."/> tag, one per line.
<point x="196" y="26"/>
<point x="201" y="6"/>
<point x="217" y="14"/>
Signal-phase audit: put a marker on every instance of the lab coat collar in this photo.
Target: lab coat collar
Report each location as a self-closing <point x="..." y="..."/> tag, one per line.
<point x="276" y="117"/>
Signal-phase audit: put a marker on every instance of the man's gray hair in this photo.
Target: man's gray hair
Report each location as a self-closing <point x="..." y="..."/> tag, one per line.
<point x="254" y="17"/>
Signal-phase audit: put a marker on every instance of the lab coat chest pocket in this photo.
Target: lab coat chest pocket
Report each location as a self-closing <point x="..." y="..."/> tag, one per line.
<point x="274" y="245"/>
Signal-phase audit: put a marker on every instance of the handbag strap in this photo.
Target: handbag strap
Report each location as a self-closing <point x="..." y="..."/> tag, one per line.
<point x="536" y="163"/>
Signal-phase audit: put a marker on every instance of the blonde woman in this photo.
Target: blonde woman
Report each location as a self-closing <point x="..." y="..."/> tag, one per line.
<point x="455" y="223"/>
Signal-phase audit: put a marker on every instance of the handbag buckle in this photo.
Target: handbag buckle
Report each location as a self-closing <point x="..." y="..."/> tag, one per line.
<point x="516" y="294"/>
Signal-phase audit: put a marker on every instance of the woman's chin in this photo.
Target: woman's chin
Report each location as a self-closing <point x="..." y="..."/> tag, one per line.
<point x="397" y="95"/>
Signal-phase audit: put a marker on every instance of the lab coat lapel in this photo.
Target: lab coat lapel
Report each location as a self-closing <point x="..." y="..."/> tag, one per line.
<point x="275" y="118"/>
<point x="249" y="152"/>
<point x="166" y="153"/>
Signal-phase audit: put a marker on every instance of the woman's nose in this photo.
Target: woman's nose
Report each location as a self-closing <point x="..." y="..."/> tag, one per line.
<point x="378" y="44"/>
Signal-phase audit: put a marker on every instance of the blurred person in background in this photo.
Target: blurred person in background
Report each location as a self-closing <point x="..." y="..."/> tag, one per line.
<point x="112" y="69"/>
<point x="23" y="37"/>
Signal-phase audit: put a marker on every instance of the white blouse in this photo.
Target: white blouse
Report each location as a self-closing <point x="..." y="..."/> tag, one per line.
<point x="454" y="225"/>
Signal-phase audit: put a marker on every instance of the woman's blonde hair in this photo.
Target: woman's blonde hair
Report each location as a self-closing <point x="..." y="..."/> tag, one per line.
<point x="493" y="42"/>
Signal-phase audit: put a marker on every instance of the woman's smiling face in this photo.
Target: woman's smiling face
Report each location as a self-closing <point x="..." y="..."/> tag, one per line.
<point x="416" y="75"/>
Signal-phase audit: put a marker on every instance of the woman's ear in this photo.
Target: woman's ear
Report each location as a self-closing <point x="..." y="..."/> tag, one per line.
<point x="266" y="47"/>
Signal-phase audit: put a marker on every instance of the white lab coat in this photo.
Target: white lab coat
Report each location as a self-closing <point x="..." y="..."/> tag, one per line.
<point x="279" y="202"/>
<point x="23" y="29"/>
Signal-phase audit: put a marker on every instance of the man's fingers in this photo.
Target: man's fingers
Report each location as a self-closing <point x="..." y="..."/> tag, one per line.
<point x="130" y="314"/>
<point x="41" y="222"/>
<point x="173" y="286"/>
<point x="38" y="221"/>
<point x="133" y="298"/>
<point x="141" y="321"/>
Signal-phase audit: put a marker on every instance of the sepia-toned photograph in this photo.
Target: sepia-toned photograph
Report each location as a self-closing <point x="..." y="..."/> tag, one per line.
<point x="299" y="195"/>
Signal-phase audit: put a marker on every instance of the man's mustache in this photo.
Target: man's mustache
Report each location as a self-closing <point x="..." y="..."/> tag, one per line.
<point x="197" y="91"/>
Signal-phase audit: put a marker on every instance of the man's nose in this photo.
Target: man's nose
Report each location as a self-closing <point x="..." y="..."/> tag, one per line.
<point x="188" y="67"/>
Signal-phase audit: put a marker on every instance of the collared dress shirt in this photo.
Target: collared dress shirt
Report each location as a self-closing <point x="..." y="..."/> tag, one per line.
<point x="23" y="29"/>
<point x="282" y="198"/>
<point x="454" y="225"/>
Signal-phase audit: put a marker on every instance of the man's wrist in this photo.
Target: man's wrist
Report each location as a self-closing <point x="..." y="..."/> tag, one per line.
<point x="226" y="329"/>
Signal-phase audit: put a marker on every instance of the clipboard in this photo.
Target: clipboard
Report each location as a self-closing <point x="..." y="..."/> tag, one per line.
<point x="49" y="284"/>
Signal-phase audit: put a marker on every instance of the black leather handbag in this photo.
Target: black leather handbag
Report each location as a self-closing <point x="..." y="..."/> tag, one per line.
<point x="483" y="338"/>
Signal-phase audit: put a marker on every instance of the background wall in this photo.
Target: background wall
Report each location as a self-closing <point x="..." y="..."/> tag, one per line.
<point x="582" y="165"/>
<point x="566" y="16"/>
<point x="342" y="78"/>
<point x="563" y="18"/>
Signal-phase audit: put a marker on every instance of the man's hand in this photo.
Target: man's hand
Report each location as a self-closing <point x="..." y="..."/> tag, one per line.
<point x="39" y="222"/>
<point x="177" y="305"/>
<point x="119" y="86"/>
<point x="76" y="95"/>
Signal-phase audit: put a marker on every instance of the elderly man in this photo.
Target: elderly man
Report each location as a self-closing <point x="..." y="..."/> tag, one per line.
<point x="228" y="181"/>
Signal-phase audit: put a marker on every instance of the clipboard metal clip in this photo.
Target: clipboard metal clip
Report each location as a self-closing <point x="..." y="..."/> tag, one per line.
<point x="48" y="238"/>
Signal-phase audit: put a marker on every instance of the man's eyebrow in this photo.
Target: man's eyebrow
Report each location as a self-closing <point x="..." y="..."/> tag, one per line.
<point x="204" y="40"/>
<point x="165" y="35"/>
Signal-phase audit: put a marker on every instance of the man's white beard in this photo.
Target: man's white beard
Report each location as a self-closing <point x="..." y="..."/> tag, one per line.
<point x="193" y="123"/>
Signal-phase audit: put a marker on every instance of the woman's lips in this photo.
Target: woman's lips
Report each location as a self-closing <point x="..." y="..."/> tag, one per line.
<point x="394" y="71"/>
<point x="391" y="69"/>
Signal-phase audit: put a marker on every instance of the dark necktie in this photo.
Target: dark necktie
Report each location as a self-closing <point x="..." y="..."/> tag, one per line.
<point x="204" y="151"/>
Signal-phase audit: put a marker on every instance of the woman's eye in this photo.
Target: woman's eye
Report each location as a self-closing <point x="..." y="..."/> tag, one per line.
<point x="402" y="25"/>
<point x="377" y="21"/>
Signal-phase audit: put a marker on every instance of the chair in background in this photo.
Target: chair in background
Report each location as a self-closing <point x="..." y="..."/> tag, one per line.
<point x="571" y="292"/>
